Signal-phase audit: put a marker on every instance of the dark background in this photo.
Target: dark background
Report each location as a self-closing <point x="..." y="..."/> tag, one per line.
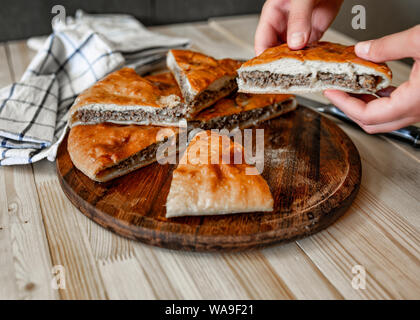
<point x="20" y="19"/>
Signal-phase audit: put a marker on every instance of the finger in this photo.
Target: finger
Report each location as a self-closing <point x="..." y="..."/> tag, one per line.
<point x="388" y="126"/>
<point x="352" y="106"/>
<point x="299" y="23"/>
<point x="395" y="46"/>
<point x="322" y="17"/>
<point x="265" y="37"/>
<point x="316" y="34"/>
<point x="272" y="24"/>
<point x="374" y="112"/>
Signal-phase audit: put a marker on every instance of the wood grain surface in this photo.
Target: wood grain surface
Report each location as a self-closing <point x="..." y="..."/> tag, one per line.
<point x="312" y="168"/>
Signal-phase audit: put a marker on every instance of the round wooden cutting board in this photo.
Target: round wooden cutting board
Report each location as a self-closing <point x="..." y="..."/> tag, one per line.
<point x="312" y="167"/>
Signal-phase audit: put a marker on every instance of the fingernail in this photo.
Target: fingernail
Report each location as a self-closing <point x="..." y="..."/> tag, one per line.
<point x="362" y="48"/>
<point x="297" y="39"/>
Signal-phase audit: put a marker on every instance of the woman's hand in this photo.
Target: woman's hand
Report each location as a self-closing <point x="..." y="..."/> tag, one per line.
<point x="397" y="107"/>
<point x="296" y="22"/>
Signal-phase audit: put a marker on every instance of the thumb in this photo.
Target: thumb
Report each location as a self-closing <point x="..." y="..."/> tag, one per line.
<point x="299" y="23"/>
<point x="395" y="46"/>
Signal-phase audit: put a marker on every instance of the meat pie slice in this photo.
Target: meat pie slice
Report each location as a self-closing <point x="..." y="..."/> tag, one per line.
<point x="124" y="97"/>
<point x="203" y="80"/>
<point x="243" y="110"/>
<point x="319" y="66"/>
<point x="202" y="186"/>
<point x="106" y="151"/>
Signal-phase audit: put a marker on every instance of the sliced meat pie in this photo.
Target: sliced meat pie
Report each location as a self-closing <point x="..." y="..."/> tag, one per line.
<point x="124" y="97"/>
<point x="203" y="80"/>
<point x="201" y="187"/>
<point x="106" y="151"/>
<point x="317" y="67"/>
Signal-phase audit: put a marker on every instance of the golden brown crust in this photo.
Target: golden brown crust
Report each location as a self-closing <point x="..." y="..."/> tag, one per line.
<point x="241" y="102"/>
<point x="321" y="51"/>
<point x="126" y="88"/>
<point x="200" y="187"/>
<point x="94" y="148"/>
<point x="166" y="83"/>
<point x="202" y="70"/>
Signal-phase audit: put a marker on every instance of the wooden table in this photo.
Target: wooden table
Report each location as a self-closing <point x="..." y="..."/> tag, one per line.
<point x="40" y="229"/>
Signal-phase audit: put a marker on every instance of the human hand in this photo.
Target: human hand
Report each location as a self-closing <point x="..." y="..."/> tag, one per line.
<point x="296" y="22"/>
<point x="397" y="107"/>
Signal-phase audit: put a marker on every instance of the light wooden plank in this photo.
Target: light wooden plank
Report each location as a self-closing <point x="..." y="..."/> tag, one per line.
<point x="392" y="264"/>
<point x="8" y="288"/>
<point x="5" y="72"/>
<point x="297" y="270"/>
<point x="26" y="239"/>
<point x="390" y="174"/>
<point x="250" y="266"/>
<point x="31" y="255"/>
<point x="206" y="40"/>
<point x="162" y="285"/>
<point x="406" y="148"/>
<point x="239" y="29"/>
<point x="126" y="279"/>
<point x="105" y="245"/>
<point x="20" y="57"/>
<point x="183" y="275"/>
<point x="187" y="275"/>
<point x="68" y="240"/>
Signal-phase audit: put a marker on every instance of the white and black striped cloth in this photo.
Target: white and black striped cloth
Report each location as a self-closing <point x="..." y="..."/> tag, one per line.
<point x="33" y="111"/>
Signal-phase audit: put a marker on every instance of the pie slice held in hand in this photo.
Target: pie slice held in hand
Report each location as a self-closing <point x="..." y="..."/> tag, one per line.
<point x="317" y="67"/>
<point x="202" y="79"/>
<point x="124" y="97"/>
<point x="208" y="182"/>
<point x="106" y="151"/>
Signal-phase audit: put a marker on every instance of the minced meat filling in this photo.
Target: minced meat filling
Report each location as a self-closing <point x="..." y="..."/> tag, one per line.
<point x="141" y="156"/>
<point x="266" y="78"/>
<point x="162" y="114"/>
<point x="235" y="120"/>
<point x="195" y="101"/>
<point x="207" y="95"/>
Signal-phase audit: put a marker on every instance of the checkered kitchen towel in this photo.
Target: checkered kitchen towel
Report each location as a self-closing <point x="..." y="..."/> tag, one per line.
<point x="33" y="111"/>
